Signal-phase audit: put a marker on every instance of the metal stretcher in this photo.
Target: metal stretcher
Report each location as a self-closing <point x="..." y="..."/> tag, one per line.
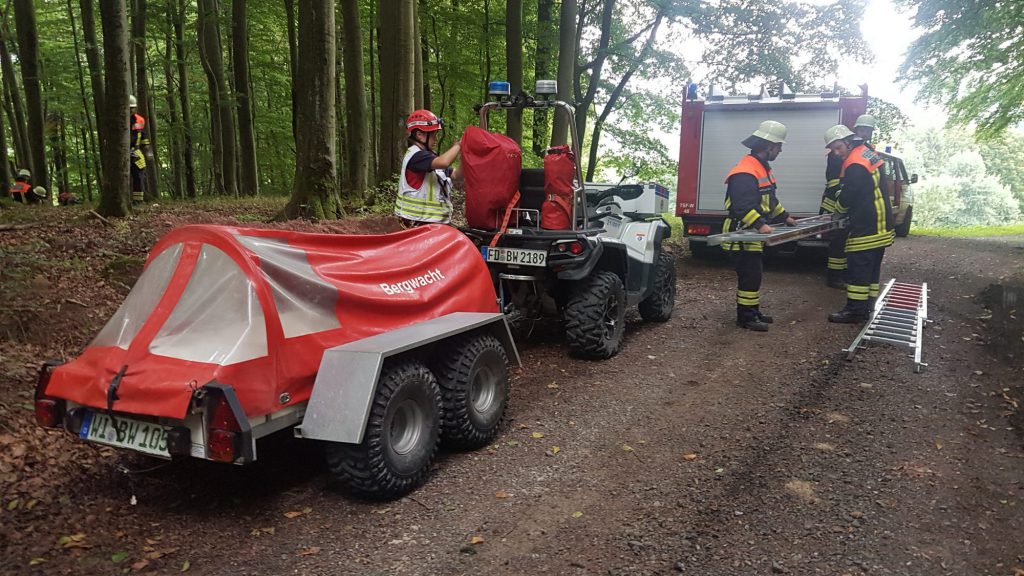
<point x="805" y="227"/>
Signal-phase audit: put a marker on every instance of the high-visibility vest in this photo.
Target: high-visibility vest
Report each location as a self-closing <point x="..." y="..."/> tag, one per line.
<point x="20" y="190"/>
<point x="870" y="225"/>
<point x="430" y="202"/>
<point x="766" y="187"/>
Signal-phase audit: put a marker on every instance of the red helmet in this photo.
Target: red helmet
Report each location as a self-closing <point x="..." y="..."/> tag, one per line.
<point x="423" y="120"/>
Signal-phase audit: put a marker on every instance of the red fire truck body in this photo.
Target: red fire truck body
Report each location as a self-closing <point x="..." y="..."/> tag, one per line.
<point x="709" y="146"/>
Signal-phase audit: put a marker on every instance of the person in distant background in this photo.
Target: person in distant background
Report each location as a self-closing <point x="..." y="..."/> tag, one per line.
<point x="426" y="180"/>
<point x="65" y="198"/>
<point x="21" y="190"/>
<point x="139" y="152"/>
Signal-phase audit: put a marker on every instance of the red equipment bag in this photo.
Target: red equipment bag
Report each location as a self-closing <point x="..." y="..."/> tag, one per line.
<point x="492" y="164"/>
<point x="559" y="174"/>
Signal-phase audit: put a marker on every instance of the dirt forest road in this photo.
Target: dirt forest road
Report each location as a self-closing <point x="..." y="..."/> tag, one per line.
<point x="700" y="449"/>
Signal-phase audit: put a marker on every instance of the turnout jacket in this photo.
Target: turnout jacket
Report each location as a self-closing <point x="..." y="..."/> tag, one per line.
<point x="869" y="210"/>
<point x="833" y="185"/>
<point x="750" y="198"/>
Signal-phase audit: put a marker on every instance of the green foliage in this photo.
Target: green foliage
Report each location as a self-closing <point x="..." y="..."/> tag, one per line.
<point x="970" y="59"/>
<point x="755" y="42"/>
<point x="972" y="231"/>
<point x="964" y="194"/>
<point x="891" y="121"/>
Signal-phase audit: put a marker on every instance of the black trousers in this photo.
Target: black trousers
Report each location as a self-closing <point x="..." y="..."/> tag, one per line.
<point x="864" y="268"/>
<point x="749" y="270"/>
<point x="837" y="254"/>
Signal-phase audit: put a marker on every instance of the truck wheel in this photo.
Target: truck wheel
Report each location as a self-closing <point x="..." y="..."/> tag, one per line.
<point x="401" y="436"/>
<point x="595" y="316"/>
<point x="657" y="307"/>
<point x="473" y="376"/>
<point x="903" y="230"/>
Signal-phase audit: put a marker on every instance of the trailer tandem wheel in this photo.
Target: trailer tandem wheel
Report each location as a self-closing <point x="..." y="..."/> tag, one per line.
<point x="401" y="438"/>
<point x="473" y="376"/>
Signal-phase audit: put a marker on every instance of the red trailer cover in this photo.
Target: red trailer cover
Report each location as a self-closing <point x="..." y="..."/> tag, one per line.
<point x="492" y="164"/>
<point x="256" y="309"/>
<point x="559" y="175"/>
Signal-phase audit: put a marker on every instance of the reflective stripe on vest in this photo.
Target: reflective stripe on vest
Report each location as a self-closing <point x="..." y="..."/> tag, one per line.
<point x="765" y="185"/>
<point x="428" y="203"/>
<point x="864" y="156"/>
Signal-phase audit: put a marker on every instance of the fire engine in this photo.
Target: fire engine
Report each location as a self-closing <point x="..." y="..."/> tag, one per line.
<point x="709" y="146"/>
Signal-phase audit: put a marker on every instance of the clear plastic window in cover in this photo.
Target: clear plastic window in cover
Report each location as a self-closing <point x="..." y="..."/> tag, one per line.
<point x="305" y="301"/>
<point x="218" y="319"/>
<point x="121" y="329"/>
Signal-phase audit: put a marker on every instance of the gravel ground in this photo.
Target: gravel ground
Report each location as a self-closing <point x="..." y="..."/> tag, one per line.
<point x="700" y="449"/>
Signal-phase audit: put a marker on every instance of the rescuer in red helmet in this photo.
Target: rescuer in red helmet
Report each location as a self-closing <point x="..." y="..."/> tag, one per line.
<point x="425" y="183"/>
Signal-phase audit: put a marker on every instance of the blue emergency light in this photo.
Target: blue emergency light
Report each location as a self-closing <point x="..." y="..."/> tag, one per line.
<point x="498" y="88"/>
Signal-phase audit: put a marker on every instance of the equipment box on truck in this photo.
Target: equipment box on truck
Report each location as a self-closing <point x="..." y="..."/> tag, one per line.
<point x="709" y="146"/>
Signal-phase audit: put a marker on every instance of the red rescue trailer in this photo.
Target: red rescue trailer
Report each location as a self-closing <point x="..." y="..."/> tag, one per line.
<point x="231" y="334"/>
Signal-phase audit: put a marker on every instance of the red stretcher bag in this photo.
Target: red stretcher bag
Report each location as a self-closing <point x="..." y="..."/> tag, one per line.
<point x="492" y="164"/>
<point x="559" y="174"/>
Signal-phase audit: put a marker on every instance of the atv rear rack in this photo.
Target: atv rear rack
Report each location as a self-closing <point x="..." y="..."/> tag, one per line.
<point x="898" y="319"/>
<point x="805" y="227"/>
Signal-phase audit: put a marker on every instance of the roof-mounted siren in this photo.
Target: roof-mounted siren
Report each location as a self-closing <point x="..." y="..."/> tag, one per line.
<point x="786" y="93"/>
<point x="546" y="89"/>
<point x="713" y="95"/>
<point x="499" y="90"/>
<point x="763" y="94"/>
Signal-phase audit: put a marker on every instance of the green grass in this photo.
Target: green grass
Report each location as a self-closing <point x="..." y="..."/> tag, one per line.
<point x="971" y="231"/>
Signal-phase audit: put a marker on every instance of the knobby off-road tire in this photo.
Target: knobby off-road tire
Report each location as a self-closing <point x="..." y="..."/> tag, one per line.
<point x="473" y="376"/>
<point x="657" y="307"/>
<point x="595" y="316"/>
<point x="903" y="230"/>
<point x="401" y="438"/>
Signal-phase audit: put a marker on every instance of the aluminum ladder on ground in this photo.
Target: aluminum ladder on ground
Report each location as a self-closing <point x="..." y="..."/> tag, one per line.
<point x="781" y="234"/>
<point x="898" y="319"/>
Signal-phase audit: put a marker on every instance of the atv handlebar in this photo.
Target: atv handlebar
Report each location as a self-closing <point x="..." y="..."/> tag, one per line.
<point x="624" y="192"/>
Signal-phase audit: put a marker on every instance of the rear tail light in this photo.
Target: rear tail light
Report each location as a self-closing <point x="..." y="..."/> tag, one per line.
<point x="576" y="248"/>
<point x="222" y="446"/>
<point x="698" y="229"/>
<point x="49" y="411"/>
<point x="224" y="430"/>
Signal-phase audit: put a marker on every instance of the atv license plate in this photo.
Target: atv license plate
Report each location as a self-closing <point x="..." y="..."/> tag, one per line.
<point x="519" y="256"/>
<point x="125" y="433"/>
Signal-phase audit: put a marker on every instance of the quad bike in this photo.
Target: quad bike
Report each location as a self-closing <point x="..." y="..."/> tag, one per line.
<point x="587" y="274"/>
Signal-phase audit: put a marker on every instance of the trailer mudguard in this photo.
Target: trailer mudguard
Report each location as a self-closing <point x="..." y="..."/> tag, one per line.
<point x="339" y="406"/>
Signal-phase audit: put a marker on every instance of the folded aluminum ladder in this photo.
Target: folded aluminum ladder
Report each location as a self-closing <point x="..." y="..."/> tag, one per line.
<point x="898" y="319"/>
<point x="805" y="227"/>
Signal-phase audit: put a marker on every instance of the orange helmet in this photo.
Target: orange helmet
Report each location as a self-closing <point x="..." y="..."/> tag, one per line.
<point x="424" y="121"/>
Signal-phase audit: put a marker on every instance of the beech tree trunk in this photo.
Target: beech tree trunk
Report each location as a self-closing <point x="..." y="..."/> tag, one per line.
<point x="213" y="62"/>
<point x="248" y="176"/>
<point x="566" y="68"/>
<point x="12" y="92"/>
<point x="89" y="145"/>
<point x="186" y="109"/>
<point x="397" y="76"/>
<point x="143" y="97"/>
<point x="546" y="39"/>
<point x="514" y="58"/>
<point x="92" y="56"/>
<point x="314" y="192"/>
<point x="293" y="54"/>
<point x="357" y="129"/>
<point x="174" y="128"/>
<point x="115" y="193"/>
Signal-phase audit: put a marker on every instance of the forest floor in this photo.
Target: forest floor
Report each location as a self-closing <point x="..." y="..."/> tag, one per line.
<point x="699" y="449"/>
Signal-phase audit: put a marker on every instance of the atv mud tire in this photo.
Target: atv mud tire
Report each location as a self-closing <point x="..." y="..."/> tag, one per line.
<point x="401" y="437"/>
<point x="657" y="307"/>
<point x="595" y="316"/>
<point x="473" y="376"/>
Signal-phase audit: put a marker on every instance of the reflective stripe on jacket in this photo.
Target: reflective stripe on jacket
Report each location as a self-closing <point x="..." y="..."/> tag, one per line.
<point x="750" y="208"/>
<point x="431" y="202"/>
<point x="869" y="210"/>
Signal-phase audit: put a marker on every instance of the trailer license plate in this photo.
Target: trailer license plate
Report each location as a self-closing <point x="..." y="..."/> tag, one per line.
<point x="519" y="256"/>
<point x="125" y="433"/>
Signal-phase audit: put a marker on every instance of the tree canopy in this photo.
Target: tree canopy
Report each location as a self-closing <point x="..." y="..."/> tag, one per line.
<point x="970" y="59"/>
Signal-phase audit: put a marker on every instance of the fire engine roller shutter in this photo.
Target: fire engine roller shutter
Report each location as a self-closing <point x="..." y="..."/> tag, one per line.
<point x="799" y="170"/>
